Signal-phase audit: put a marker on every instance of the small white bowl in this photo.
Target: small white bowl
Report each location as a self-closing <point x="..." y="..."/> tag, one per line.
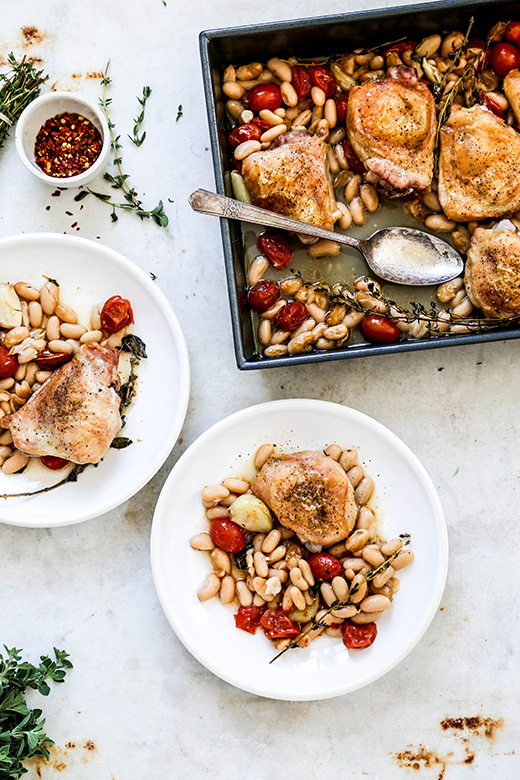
<point x="45" y="107"/>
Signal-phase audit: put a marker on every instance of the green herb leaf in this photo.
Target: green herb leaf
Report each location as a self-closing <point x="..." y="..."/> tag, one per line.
<point x="135" y="345"/>
<point x="179" y="112"/>
<point x="81" y="195"/>
<point x="120" y="442"/>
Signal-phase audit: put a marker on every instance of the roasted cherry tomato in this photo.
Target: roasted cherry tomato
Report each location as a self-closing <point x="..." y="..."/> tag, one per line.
<point x="358" y="637"/>
<point x="53" y="462"/>
<point x="8" y="363"/>
<point x="354" y="163"/>
<point x="116" y="314"/>
<point x="264" y="96"/>
<point x="261" y="123"/>
<point x="375" y="327"/>
<point x="48" y="361"/>
<point x="513" y="32"/>
<point x="341" y="107"/>
<point x="324" y="566"/>
<point x="301" y="81"/>
<point x="263" y="295"/>
<point x="399" y="48"/>
<point x="247" y="132"/>
<point x="322" y="77"/>
<point x="248" y="618"/>
<point x="227" y="535"/>
<point x="494" y="107"/>
<point x="504" y="57"/>
<point x="277" y="625"/>
<point x="291" y="316"/>
<point x="275" y="247"/>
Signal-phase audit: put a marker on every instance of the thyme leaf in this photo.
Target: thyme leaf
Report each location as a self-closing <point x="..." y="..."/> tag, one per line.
<point x="18" y="88"/>
<point x="179" y="112"/>
<point x="138" y="121"/>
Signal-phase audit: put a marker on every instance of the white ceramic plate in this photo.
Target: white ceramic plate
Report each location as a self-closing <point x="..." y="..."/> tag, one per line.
<point x="87" y="274"/>
<point x="405" y="499"/>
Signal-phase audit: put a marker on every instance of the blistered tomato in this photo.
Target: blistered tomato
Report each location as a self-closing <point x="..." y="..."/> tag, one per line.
<point x="291" y="316"/>
<point x="248" y="618"/>
<point x="301" y="81"/>
<point x="504" y="57"/>
<point x="321" y="77"/>
<point x="264" y="96"/>
<point x="8" y="363"/>
<point x="341" y="107"/>
<point x="263" y="295"/>
<point x="275" y="247"/>
<point x="513" y="32"/>
<point x="375" y="327"/>
<point x="277" y="625"/>
<point x="493" y="106"/>
<point x="353" y="161"/>
<point x="324" y="566"/>
<point x="53" y="462"/>
<point x="399" y="48"/>
<point x="358" y="637"/>
<point x="48" y="361"/>
<point x="116" y="314"/>
<point x="247" y="132"/>
<point x="227" y="535"/>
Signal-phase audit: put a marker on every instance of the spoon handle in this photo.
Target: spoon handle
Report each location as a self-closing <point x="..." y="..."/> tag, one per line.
<point x="221" y="206"/>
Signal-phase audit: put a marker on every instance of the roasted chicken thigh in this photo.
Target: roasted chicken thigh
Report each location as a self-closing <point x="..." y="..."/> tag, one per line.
<point x="512" y="92"/>
<point x="391" y="126"/>
<point x="292" y="178"/>
<point x="310" y="493"/>
<point x="479" y="167"/>
<point x="492" y="276"/>
<point x="75" y="414"/>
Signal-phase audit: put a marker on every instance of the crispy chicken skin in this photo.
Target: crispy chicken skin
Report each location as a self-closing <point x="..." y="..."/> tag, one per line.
<point x="492" y="275"/>
<point x="391" y="126"/>
<point x="292" y="178"/>
<point x="512" y="92"/>
<point x="75" y="414"/>
<point x="310" y="493"/>
<point x="479" y="166"/>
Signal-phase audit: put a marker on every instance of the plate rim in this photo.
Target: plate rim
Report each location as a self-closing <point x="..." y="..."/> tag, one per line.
<point x="300" y="403"/>
<point x="122" y="262"/>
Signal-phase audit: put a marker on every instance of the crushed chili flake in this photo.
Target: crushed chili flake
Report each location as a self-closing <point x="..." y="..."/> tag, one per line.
<point x="67" y="145"/>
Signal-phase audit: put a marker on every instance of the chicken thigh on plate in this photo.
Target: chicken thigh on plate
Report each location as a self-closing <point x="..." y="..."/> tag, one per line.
<point x="512" y="92"/>
<point x="75" y="414"/>
<point x="479" y="166"/>
<point x="492" y="276"/>
<point x="310" y="493"/>
<point x="292" y="178"/>
<point x="391" y="125"/>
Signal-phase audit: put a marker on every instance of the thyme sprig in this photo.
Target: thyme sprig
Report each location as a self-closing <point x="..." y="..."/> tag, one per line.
<point x="346" y="602"/>
<point x="19" y="87"/>
<point x="119" y="180"/>
<point x="138" y="121"/>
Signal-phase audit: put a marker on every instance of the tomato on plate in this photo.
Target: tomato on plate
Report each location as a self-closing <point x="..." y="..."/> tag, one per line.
<point x="291" y="316"/>
<point x="277" y="625"/>
<point x="321" y="77"/>
<point x="301" y="81"/>
<point x="246" y="132"/>
<point x="358" y="637"/>
<point x="324" y="566"/>
<point x="504" y="58"/>
<point x="116" y="314"/>
<point x="248" y="618"/>
<point x="353" y="161"/>
<point x="341" y="107"/>
<point x="48" y="360"/>
<point x="53" y="462"/>
<point x="8" y="363"/>
<point x="227" y="535"/>
<point x="264" y="96"/>
<point x="399" y="48"/>
<point x="513" y="32"/>
<point x="275" y="247"/>
<point x="375" y="327"/>
<point x="261" y="123"/>
<point x="263" y="295"/>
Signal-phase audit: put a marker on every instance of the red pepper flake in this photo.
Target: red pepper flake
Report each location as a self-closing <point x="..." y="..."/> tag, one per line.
<point x="67" y="145"/>
<point x="74" y="224"/>
<point x="69" y="213"/>
<point x="47" y="208"/>
<point x="56" y="193"/>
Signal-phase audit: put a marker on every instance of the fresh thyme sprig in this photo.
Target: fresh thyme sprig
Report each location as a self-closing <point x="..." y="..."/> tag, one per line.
<point x="347" y="601"/>
<point x="119" y="180"/>
<point x="22" y="733"/>
<point x="18" y="88"/>
<point x="138" y="121"/>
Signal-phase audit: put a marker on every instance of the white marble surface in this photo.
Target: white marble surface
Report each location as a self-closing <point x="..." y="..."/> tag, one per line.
<point x="146" y="706"/>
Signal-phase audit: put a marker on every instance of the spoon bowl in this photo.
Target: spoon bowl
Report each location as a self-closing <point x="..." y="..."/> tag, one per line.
<point x="397" y="254"/>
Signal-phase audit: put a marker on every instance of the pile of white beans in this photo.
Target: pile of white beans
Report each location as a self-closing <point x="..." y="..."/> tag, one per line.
<point x="47" y="322"/>
<point x="278" y="574"/>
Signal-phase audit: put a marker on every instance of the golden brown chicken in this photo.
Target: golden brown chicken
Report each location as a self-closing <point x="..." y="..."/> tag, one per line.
<point x="479" y="167"/>
<point x="75" y="414"/>
<point x="292" y="178"/>
<point x="391" y="126"/>
<point x="310" y="493"/>
<point x="492" y="276"/>
<point x="512" y="92"/>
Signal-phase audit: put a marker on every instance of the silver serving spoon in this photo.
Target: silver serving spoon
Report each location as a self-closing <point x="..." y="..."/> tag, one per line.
<point x="398" y="254"/>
